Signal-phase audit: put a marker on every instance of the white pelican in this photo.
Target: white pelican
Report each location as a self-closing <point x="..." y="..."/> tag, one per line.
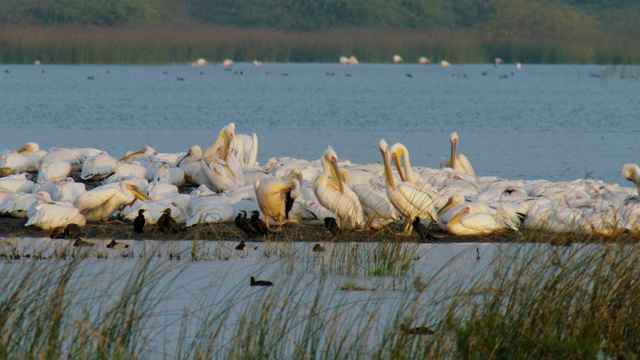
<point x="423" y="60"/>
<point x="222" y="170"/>
<point x="125" y="170"/>
<point x="275" y="197"/>
<point x="631" y="172"/>
<point x="397" y="59"/>
<point x="256" y="63"/>
<point x="199" y="62"/>
<point x="457" y="161"/>
<point x="344" y="60"/>
<point x="245" y="149"/>
<point x="75" y="156"/>
<point x="31" y="150"/>
<point x="406" y="196"/>
<point x="335" y="196"/>
<point x="98" y="166"/>
<point x="12" y="162"/>
<point x="51" y="215"/>
<point x="99" y="203"/>
<point x="17" y="183"/>
<point x="68" y="191"/>
<point x="19" y="204"/>
<point x="476" y="220"/>
<point x="227" y="62"/>
<point x="445" y="64"/>
<point x="160" y="189"/>
<point x="353" y="60"/>
<point x="53" y="171"/>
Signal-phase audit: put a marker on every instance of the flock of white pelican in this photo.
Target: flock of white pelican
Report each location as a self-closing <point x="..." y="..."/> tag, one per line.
<point x="225" y="179"/>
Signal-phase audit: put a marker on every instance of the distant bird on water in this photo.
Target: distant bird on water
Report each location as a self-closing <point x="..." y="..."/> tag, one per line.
<point x="117" y="245"/>
<point x="258" y="224"/>
<point x="332" y="225"/>
<point x="318" y="248"/>
<point x="243" y="246"/>
<point x="82" y="243"/>
<point x="255" y="282"/>
<point x="423" y="232"/>
<point x="139" y="222"/>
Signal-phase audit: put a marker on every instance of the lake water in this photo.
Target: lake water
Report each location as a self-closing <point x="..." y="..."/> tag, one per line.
<point x="554" y="122"/>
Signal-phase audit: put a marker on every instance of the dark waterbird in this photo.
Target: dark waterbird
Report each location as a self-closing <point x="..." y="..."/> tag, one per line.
<point x="244" y="224"/>
<point x="139" y="222"/>
<point x="420" y="330"/>
<point x="255" y="282"/>
<point x="332" y="225"/>
<point x="258" y="224"/>
<point x="423" y="232"/>
<point x="71" y="231"/>
<point x="82" y="243"/>
<point x="318" y="248"/>
<point x="168" y="224"/>
<point x="243" y="246"/>
<point x="117" y="245"/>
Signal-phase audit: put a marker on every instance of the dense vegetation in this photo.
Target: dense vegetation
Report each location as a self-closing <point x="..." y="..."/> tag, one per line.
<point x="590" y="31"/>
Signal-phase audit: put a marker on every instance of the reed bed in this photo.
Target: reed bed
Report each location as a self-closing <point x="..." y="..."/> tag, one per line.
<point x="506" y="301"/>
<point x="93" y="45"/>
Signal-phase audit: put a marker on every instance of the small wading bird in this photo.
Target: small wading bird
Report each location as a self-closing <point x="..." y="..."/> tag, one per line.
<point x="139" y="222"/>
<point x="420" y="330"/>
<point x="255" y="282"/>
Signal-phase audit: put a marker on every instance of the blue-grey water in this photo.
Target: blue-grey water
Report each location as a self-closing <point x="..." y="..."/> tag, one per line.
<point x="555" y="122"/>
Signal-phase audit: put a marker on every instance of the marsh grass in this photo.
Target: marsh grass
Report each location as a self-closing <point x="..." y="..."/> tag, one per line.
<point x="513" y="301"/>
<point x="92" y="45"/>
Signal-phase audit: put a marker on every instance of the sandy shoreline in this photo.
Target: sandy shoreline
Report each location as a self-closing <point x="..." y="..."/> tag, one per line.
<point x="123" y="230"/>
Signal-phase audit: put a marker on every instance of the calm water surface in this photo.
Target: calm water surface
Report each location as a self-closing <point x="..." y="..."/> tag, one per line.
<point x="542" y="122"/>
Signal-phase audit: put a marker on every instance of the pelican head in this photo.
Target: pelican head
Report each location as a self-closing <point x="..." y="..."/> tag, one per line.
<point x="453" y="138"/>
<point x="465" y="210"/>
<point x="630" y="172"/>
<point x="453" y="200"/>
<point x="136" y="192"/>
<point x="147" y="150"/>
<point x="397" y="151"/>
<point x="29" y="147"/>
<point x="331" y="158"/>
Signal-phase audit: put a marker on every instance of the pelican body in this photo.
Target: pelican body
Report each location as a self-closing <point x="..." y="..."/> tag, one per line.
<point x="99" y="203"/>
<point x="273" y="194"/>
<point x="334" y="195"/>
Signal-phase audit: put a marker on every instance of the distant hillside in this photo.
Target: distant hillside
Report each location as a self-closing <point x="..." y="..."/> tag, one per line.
<point x="533" y="18"/>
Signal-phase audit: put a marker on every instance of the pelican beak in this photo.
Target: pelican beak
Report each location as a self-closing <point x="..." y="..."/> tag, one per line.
<point x="132" y="155"/>
<point x="226" y="147"/>
<point x="454" y="145"/>
<point x="23" y="150"/>
<point x="184" y="157"/>
<point x="446" y="206"/>
<point x="384" y="150"/>
<point x="336" y="176"/>
<point x="138" y="194"/>
<point x="396" y="161"/>
<point x="456" y="219"/>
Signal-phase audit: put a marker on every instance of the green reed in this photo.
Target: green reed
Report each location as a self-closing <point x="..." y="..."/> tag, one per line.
<point x="92" y="45"/>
